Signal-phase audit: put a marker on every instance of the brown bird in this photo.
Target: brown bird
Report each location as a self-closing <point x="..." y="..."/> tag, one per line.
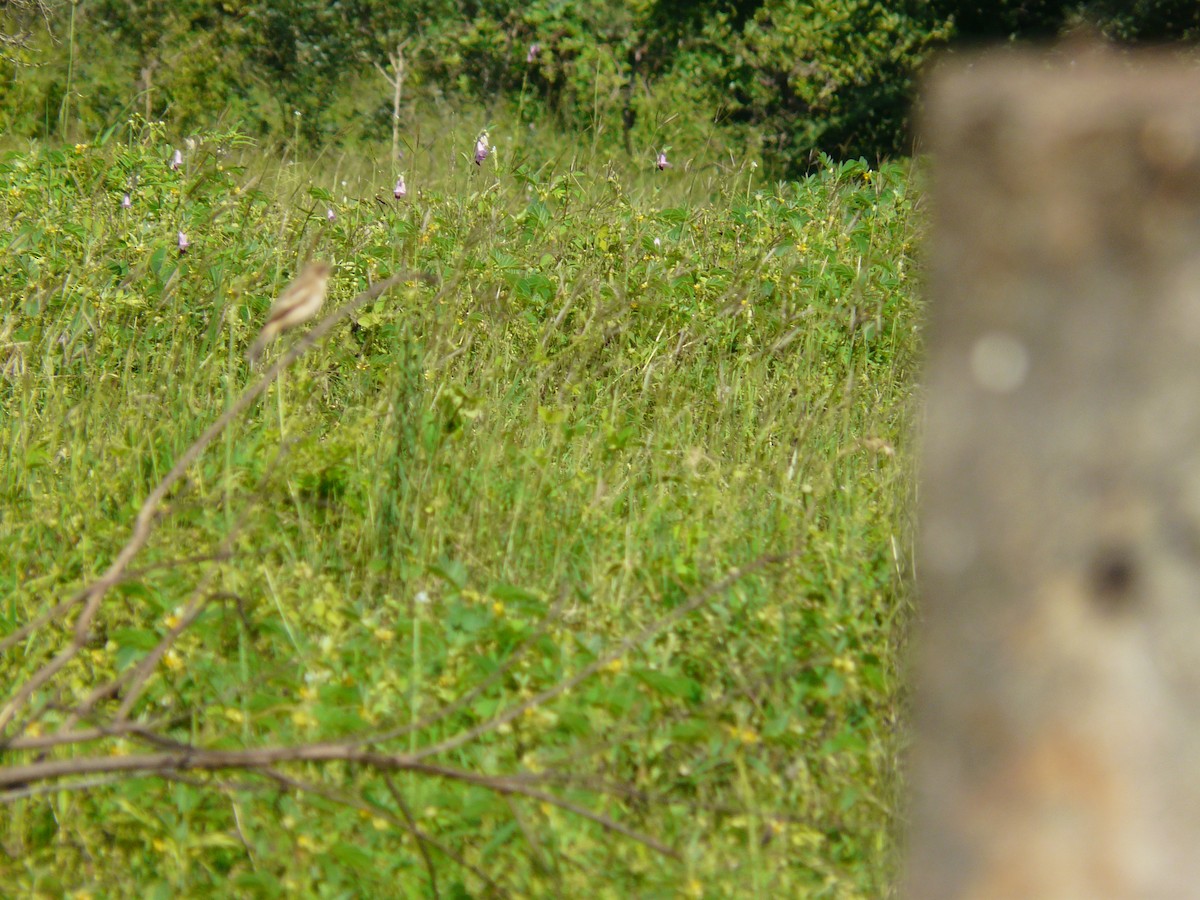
<point x="299" y="302"/>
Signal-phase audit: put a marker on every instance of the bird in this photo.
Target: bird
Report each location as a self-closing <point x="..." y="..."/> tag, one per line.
<point x="299" y="302"/>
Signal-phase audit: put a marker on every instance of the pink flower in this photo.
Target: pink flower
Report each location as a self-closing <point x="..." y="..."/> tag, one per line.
<point x="482" y="149"/>
<point x="126" y="202"/>
<point x="177" y="159"/>
<point x="661" y="162"/>
<point x="534" y="49"/>
<point x="330" y="215"/>
<point x="184" y="243"/>
<point x="400" y="191"/>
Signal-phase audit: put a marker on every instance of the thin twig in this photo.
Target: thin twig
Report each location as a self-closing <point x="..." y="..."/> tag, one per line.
<point x="616" y="653"/>
<point x="512" y="786"/>
<point x="144" y="521"/>
<point x="337" y="796"/>
<point x="418" y="835"/>
<point x="131" y="575"/>
<point x="86" y="735"/>
<point x="265" y="757"/>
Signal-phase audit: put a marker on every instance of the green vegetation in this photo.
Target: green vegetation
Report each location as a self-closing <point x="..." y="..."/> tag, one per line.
<point x="625" y="385"/>
<point x="781" y="81"/>
<point x="572" y="563"/>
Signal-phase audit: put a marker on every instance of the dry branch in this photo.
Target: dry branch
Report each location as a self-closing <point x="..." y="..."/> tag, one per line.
<point x="93" y="595"/>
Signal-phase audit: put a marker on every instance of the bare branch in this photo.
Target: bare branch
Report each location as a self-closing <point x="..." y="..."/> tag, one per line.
<point x="266" y="757"/>
<point x="62" y="606"/>
<point x="143" y="523"/>
<point x="85" y="735"/>
<point x="416" y="832"/>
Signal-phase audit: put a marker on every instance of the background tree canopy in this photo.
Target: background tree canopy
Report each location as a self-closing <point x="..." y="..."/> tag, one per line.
<point x="781" y="79"/>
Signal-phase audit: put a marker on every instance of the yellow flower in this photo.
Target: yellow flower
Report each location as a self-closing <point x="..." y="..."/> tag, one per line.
<point x="498" y="608"/>
<point x="303" y="719"/>
<point x="743" y="734"/>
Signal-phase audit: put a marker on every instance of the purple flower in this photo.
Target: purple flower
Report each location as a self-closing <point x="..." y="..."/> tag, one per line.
<point x="400" y="191"/>
<point x="534" y="49"/>
<point x="482" y="149"/>
<point x="661" y="162"/>
<point x="330" y="215"/>
<point x="126" y="202"/>
<point x="184" y="243"/>
<point x="177" y="159"/>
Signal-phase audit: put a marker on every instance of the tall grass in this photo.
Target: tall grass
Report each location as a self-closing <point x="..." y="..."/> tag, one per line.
<point x="626" y="384"/>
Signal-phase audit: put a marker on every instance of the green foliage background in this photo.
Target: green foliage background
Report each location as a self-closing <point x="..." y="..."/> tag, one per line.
<point x="776" y="80"/>
<point x="630" y="383"/>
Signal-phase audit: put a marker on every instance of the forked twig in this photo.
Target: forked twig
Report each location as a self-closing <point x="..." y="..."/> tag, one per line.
<point x="94" y="594"/>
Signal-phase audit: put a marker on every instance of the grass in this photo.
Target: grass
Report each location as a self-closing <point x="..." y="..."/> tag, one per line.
<point x="626" y="385"/>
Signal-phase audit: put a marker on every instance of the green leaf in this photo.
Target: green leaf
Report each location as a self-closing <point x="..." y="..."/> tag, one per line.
<point x="691" y="731"/>
<point x="353" y="856"/>
<point x="510" y="593"/>
<point x="679" y="686"/>
<point x="338" y="718"/>
<point x="135" y="638"/>
<point x="451" y="571"/>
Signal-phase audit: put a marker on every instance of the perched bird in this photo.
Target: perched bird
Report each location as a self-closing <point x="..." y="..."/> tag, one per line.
<point x="299" y="302"/>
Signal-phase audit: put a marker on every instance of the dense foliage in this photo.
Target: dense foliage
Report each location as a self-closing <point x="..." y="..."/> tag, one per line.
<point x="777" y="80"/>
<point x="466" y="495"/>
